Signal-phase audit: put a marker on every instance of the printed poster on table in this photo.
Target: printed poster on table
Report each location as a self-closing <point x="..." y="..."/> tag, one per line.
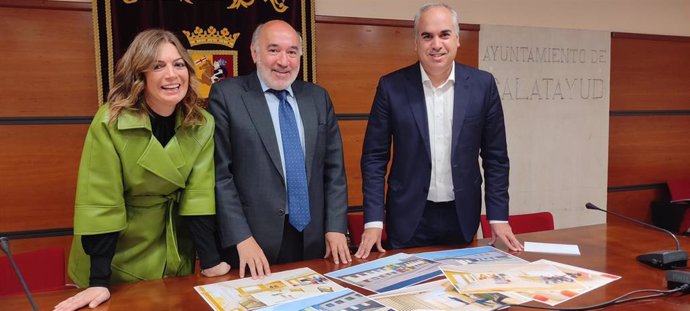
<point x="472" y="256"/>
<point x="341" y="300"/>
<point x="441" y="295"/>
<point x="388" y="273"/>
<point x="515" y="278"/>
<point x="278" y="288"/>
<point x="543" y="281"/>
<point x="588" y="278"/>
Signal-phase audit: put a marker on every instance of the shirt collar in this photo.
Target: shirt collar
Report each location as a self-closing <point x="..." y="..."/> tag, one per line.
<point x="427" y="81"/>
<point x="265" y="87"/>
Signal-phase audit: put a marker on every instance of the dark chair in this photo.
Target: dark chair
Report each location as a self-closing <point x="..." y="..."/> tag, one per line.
<point x="43" y="270"/>
<point x="355" y="225"/>
<point x="524" y="223"/>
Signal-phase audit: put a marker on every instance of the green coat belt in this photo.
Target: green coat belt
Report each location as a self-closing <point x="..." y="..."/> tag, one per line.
<point x="129" y="183"/>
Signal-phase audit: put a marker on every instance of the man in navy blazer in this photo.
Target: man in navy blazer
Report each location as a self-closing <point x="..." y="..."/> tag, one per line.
<point x="440" y="117"/>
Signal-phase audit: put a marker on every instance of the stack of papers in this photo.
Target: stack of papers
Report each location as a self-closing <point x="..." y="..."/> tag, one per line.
<point x="480" y="278"/>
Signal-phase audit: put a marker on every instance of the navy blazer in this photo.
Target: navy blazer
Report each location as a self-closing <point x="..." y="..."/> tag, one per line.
<point x="398" y="117"/>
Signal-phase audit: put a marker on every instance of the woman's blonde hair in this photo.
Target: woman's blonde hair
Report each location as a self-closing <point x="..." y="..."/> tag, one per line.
<point x="130" y="83"/>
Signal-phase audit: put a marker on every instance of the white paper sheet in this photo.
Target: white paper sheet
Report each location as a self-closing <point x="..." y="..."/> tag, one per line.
<point x="551" y="248"/>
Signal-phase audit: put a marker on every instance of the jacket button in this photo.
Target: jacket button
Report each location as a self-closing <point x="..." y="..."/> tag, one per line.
<point x="281" y="212"/>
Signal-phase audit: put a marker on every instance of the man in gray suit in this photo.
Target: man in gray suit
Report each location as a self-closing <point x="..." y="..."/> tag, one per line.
<point x="281" y="191"/>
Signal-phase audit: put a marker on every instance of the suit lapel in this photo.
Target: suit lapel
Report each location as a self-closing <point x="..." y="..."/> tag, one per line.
<point x="307" y="111"/>
<point x="460" y="101"/>
<point x="255" y="103"/>
<point x="163" y="162"/>
<point x="415" y="94"/>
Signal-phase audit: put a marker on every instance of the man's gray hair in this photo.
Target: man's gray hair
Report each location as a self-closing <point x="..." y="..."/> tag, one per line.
<point x="257" y="31"/>
<point x="426" y="7"/>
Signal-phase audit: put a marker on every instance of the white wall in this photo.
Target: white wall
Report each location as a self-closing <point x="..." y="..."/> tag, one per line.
<point x="665" y="17"/>
<point x="556" y="115"/>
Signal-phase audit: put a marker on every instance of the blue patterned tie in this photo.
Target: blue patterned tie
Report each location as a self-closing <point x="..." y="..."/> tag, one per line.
<point x="295" y="173"/>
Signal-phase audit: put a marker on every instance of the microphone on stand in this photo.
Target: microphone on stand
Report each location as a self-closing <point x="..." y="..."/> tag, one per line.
<point x="661" y="259"/>
<point x="5" y="245"/>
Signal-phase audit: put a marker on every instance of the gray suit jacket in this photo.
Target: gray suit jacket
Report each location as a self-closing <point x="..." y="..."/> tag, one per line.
<point x="250" y="186"/>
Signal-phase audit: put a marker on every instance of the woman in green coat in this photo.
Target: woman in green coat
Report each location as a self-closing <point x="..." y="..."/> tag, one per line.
<point x="145" y="177"/>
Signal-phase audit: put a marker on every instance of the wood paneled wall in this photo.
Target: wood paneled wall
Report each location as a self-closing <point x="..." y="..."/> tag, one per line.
<point x="649" y="128"/>
<point x="351" y="55"/>
<point x="39" y="174"/>
<point x="49" y="93"/>
<point x="48" y="63"/>
<point x="47" y="86"/>
<point x="649" y="72"/>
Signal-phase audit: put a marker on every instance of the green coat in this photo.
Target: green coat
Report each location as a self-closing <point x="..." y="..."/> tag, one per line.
<point x="129" y="183"/>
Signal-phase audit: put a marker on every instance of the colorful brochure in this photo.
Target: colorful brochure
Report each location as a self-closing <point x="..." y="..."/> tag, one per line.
<point x="472" y="256"/>
<point x="543" y="280"/>
<point x="388" y="273"/>
<point x="588" y="278"/>
<point x="341" y="300"/>
<point x="281" y="287"/>
<point x="441" y="295"/>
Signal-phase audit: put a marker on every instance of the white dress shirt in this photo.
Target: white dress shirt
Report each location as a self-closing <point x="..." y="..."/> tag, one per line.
<point x="439" y="113"/>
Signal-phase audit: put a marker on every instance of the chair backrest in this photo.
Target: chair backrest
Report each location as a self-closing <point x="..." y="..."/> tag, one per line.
<point x="523" y="223"/>
<point x="43" y="270"/>
<point x="355" y="225"/>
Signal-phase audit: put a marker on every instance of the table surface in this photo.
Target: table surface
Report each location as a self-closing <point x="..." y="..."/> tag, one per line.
<point x="608" y="248"/>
